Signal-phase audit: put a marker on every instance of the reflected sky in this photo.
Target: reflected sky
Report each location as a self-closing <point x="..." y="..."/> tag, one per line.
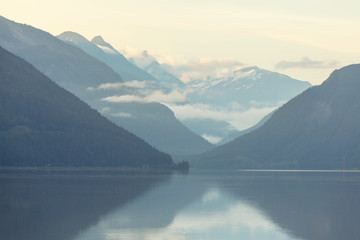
<point x="213" y="214"/>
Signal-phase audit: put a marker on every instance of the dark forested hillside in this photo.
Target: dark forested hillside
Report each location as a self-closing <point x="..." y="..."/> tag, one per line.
<point x="319" y="129"/>
<point x="42" y="124"/>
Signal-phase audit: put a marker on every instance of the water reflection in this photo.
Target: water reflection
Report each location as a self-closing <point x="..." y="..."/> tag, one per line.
<point x="151" y="214"/>
<point x="59" y="205"/>
<point x="202" y="211"/>
<point x="309" y="205"/>
<point x="201" y="205"/>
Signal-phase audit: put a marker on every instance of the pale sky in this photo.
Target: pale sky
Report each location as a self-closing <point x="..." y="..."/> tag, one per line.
<point x="305" y="39"/>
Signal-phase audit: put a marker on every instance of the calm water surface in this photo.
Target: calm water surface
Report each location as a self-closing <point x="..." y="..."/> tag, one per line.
<point x="201" y="205"/>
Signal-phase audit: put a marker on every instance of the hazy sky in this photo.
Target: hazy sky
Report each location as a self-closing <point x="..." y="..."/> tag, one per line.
<point x="305" y="39"/>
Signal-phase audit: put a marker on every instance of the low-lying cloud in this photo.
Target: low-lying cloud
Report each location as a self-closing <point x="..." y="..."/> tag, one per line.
<point x="186" y="70"/>
<point x="202" y="68"/>
<point x="141" y="59"/>
<point x="238" y="119"/>
<point x="122" y="115"/>
<point x="212" y="139"/>
<point x="119" y="85"/>
<point x="306" y="62"/>
<point x="155" y="96"/>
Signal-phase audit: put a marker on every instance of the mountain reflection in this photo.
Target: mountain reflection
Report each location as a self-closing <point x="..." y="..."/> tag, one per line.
<point x="243" y="205"/>
<point x="309" y="205"/>
<point x="59" y="205"/>
<point x="150" y="214"/>
<point x="198" y="222"/>
<point x="201" y="205"/>
<point x="187" y="207"/>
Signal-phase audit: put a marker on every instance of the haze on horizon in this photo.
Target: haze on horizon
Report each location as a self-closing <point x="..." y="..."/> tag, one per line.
<point x="306" y="40"/>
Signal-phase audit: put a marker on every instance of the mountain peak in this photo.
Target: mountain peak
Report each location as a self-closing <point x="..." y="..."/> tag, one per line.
<point x="349" y="75"/>
<point x="98" y="40"/>
<point x="72" y="36"/>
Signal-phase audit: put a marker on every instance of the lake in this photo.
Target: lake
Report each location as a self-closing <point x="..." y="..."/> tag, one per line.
<point x="104" y="205"/>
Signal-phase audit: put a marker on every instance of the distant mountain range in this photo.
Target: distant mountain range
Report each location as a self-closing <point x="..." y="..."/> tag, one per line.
<point x="79" y="72"/>
<point x="138" y="93"/>
<point x="41" y="124"/>
<point x="225" y="94"/>
<point x="319" y="129"/>
<point x="237" y="91"/>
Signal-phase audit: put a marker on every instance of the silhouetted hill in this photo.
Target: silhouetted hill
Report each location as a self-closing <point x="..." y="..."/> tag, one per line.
<point x="319" y="129"/>
<point x="42" y="124"/>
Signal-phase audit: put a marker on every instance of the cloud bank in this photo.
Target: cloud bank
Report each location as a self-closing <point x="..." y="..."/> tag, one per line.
<point x="212" y="139"/>
<point x="122" y="115"/>
<point x="187" y="70"/>
<point x="155" y="96"/>
<point x="141" y="59"/>
<point x="202" y="68"/>
<point x="238" y="119"/>
<point x="306" y="62"/>
<point x="119" y="85"/>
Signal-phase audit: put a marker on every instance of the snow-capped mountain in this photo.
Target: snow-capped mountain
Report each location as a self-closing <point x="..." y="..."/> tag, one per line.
<point x="246" y="87"/>
<point x="233" y="79"/>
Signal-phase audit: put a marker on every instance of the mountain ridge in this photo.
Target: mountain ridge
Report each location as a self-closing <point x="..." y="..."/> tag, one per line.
<point x="30" y="43"/>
